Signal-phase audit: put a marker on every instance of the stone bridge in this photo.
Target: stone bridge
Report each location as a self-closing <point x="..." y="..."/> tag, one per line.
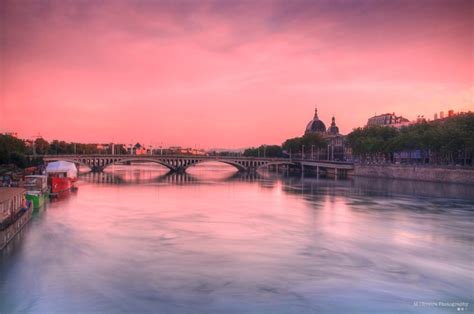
<point x="179" y="163"/>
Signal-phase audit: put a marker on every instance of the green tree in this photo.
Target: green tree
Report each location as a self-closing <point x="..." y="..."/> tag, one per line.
<point x="10" y="149"/>
<point x="41" y="146"/>
<point x="304" y="144"/>
<point x="271" y="151"/>
<point x="293" y="145"/>
<point x="445" y="141"/>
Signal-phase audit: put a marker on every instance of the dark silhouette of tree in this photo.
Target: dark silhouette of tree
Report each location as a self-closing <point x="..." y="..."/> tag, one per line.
<point x="271" y="151"/>
<point x="449" y="141"/>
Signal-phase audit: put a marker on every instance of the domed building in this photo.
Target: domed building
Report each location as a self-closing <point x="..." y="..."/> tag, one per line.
<point x="336" y="148"/>
<point x="315" y="125"/>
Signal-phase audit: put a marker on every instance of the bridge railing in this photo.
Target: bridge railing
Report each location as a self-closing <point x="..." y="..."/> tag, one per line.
<point x="156" y="156"/>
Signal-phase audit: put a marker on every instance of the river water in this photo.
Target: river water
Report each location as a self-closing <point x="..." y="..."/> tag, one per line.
<point x="136" y="240"/>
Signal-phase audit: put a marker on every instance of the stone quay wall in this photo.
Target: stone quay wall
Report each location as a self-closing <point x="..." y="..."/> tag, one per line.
<point x="417" y="172"/>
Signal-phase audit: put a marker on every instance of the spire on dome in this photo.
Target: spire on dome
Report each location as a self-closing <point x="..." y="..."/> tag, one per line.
<point x="316" y="113"/>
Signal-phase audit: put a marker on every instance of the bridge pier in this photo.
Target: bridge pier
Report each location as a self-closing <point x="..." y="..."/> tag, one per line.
<point x="180" y="170"/>
<point x="96" y="168"/>
<point x="249" y="170"/>
<point x="336" y="173"/>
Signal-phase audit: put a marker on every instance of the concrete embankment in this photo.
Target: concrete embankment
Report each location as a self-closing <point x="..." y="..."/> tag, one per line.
<point x="420" y="173"/>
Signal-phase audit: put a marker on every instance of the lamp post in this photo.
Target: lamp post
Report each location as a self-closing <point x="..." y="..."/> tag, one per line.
<point x="312" y="152"/>
<point x="302" y="151"/>
<point x="264" y="151"/>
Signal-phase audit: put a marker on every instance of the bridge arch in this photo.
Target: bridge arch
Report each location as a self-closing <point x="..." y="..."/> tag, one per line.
<point x="117" y="161"/>
<point x="235" y="164"/>
<point x="243" y="165"/>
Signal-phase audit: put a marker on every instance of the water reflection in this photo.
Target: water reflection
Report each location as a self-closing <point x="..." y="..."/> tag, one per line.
<point x="134" y="177"/>
<point x="140" y="240"/>
<point x="150" y="174"/>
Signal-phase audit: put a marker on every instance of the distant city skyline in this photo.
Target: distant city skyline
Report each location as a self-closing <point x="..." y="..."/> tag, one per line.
<point x="227" y="74"/>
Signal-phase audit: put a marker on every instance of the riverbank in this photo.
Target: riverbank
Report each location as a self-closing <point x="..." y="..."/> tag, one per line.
<point x="416" y="172"/>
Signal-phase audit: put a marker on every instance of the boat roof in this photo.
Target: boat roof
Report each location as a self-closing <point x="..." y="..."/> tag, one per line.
<point x="61" y="166"/>
<point x="37" y="176"/>
<point x="33" y="192"/>
<point x="8" y="193"/>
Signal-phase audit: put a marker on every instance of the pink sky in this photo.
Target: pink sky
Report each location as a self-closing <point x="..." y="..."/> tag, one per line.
<point x="227" y="73"/>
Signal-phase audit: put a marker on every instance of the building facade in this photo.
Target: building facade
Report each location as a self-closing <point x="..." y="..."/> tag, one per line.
<point x="387" y="119"/>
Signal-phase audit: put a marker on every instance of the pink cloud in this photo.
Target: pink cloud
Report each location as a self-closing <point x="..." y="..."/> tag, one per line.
<point x="226" y="75"/>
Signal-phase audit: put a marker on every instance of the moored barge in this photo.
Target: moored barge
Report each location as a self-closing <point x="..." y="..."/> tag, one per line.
<point x="15" y="212"/>
<point x="61" y="176"/>
<point x="37" y="189"/>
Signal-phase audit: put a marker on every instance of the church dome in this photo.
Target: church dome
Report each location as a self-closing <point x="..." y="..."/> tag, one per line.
<point x="315" y="125"/>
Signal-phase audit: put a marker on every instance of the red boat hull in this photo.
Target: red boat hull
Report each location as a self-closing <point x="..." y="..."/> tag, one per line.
<point x="60" y="184"/>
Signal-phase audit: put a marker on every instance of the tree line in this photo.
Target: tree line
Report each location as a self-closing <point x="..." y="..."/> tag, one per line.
<point x="43" y="147"/>
<point x="13" y="150"/>
<point x="293" y="146"/>
<point x="449" y="141"/>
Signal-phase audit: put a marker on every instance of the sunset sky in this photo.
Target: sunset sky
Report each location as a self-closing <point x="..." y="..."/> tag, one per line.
<point x="227" y="73"/>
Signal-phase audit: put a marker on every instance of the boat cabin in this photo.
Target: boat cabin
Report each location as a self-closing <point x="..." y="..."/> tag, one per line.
<point x="36" y="183"/>
<point x="62" y="169"/>
<point x="12" y="200"/>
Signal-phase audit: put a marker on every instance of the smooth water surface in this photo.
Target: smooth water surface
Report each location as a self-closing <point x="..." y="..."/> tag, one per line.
<point x="136" y="240"/>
